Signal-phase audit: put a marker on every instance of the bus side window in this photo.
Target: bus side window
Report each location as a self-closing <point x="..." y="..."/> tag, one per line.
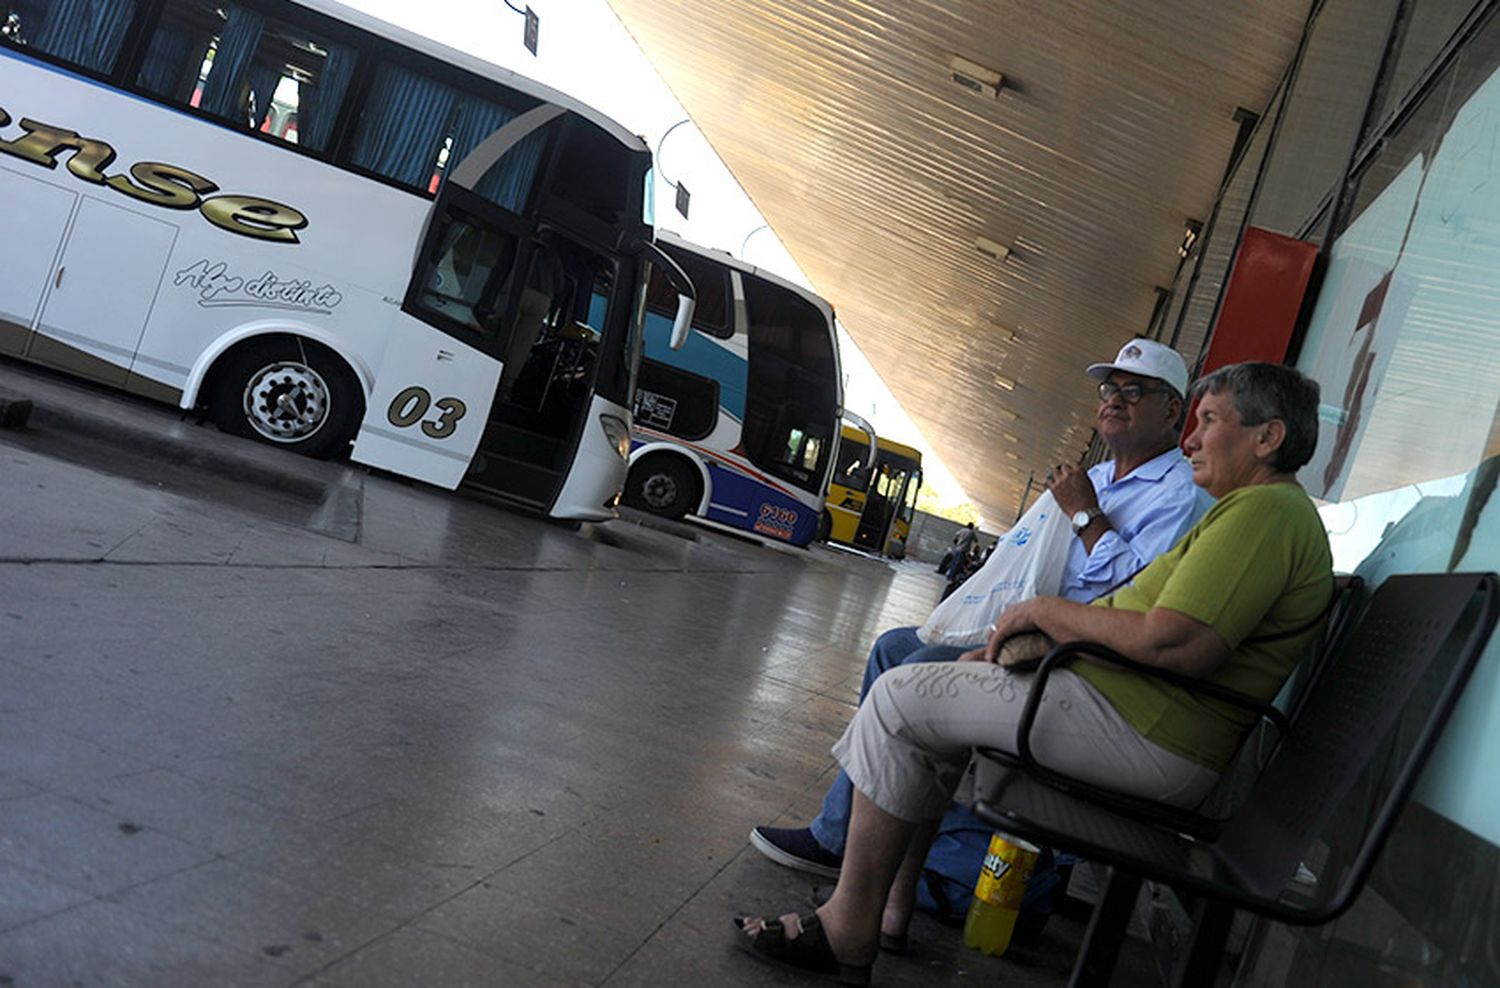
<point x="89" y="37"/>
<point x="463" y="281"/>
<point x="711" y="314"/>
<point x="413" y="128"/>
<point x="256" y="72"/>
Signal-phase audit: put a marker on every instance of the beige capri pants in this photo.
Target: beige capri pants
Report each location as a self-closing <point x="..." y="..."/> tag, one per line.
<point x="909" y="743"/>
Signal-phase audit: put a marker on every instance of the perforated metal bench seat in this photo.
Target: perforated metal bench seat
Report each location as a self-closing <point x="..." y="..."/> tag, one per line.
<point x="1386" y="683"/>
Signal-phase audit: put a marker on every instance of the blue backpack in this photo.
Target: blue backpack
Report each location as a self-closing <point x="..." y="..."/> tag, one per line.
<point x="952" y="869"/>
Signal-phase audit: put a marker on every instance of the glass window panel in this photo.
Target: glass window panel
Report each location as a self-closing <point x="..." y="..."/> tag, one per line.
<point x="1429" y="25"/>
<point x="87" y="33"/>
<point x="711" y="284"/>
<point x="1403" y="334"/>
<point x="675" y="401"/>
<point x="851" y="468"/>
<point x="792" y="388"/>
<point x="260" y="73"/>
<point x="1317" y="130"/>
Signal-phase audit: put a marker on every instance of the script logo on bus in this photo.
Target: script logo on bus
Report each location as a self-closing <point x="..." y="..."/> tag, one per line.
<point x="216" y="287"/>
<point x="160" y="184"/>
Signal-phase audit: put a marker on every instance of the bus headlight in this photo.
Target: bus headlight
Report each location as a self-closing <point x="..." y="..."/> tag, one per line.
<point x="618" y="433"/>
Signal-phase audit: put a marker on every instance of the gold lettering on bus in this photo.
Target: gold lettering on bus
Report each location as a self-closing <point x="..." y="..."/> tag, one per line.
<point x="160" y="184"/>
<point x="252" y="217"/>
<point x="44" y="142"/>
<point x="163" y="185"/>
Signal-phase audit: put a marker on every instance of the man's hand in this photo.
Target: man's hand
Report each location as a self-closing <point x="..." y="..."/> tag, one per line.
<point x="1072" y="488"/>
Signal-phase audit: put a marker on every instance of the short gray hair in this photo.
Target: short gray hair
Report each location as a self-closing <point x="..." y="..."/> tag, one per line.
<point x="1262" y="392"/>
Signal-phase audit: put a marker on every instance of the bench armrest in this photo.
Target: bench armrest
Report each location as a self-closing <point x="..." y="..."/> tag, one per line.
<point x="1067" y="652"/>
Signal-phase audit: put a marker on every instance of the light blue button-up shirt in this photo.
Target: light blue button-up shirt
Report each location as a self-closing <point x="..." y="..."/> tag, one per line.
<point x="1149" y="509"/>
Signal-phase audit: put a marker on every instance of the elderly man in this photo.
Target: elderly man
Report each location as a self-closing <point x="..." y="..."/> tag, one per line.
<point x="1126" y="511"/>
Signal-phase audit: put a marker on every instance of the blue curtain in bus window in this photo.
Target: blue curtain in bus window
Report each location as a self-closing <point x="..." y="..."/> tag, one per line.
<point x="264" y="77"/>
<point x="508" y="182"/>
<point x="509" y="179"/>
<point x="237" y="41"/>
<point x="84" y="32"/>
<point x="166" y="62"/>
<point x="406" y="117"/>
<point x="477" y="119"/>
<point x="318" y="103"/>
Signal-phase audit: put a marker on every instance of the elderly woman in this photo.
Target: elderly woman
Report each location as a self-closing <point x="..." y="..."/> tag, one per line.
<point x="1219" y="606"/>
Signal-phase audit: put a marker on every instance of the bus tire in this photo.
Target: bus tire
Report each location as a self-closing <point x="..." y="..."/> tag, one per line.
<point x="825" y="527"/>
<point x="663" y="485"/>
<point x="288" y="392"/>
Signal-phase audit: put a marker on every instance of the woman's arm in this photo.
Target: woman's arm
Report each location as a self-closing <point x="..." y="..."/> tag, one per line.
<point x="1161" y="637"/>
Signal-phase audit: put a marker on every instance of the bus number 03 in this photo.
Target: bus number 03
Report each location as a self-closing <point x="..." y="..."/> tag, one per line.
<point x="408" y="407"/>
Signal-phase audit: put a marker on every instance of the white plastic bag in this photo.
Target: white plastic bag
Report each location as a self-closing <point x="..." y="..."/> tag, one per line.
<point x="1027" y="562"/>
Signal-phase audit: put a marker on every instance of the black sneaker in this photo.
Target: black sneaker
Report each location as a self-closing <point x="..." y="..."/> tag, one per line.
<point x="797" y="849"/>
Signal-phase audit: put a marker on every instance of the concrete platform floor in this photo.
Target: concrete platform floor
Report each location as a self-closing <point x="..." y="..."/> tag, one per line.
<point x="271" y="722"/>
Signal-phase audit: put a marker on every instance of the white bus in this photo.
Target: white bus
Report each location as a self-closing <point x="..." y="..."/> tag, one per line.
<point x="739" y="426"/>
<point x="319" y="230"/>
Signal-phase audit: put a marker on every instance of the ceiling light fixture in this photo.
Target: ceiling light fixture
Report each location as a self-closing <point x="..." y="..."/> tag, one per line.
<point x="992" y="249"/>
<point x="1193" y="229"/>
<point x="1005" y="413"/>
<point x="1005" y="383"/>
<point x="975" y="77"/>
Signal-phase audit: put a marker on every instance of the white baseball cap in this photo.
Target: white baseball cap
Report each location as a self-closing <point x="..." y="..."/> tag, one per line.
<point x="1147" y="358"/>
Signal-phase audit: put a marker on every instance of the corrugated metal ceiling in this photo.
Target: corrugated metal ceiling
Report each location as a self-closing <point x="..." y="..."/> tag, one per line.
<point x="1113" y="127"/>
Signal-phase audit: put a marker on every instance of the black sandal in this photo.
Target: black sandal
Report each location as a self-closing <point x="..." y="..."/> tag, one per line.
<point x="891" y="943"/>
<point x="808" y="951"/>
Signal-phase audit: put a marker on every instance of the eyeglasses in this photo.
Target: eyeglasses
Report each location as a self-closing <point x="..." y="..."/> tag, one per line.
<point x="1129" y="393"/>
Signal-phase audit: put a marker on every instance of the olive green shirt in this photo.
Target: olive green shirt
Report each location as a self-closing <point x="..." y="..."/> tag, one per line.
<point x="1257" y="564"/>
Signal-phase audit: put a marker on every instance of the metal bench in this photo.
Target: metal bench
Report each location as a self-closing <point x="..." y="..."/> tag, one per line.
<point x="1387" y="683"/>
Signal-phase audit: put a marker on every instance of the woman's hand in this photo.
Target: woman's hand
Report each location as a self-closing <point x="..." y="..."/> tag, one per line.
<point x="1013" y="620"/>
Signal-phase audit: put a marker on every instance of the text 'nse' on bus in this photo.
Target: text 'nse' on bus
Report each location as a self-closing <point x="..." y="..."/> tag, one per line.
<point x="738" y="426"/>
<point x="319" y="229"/>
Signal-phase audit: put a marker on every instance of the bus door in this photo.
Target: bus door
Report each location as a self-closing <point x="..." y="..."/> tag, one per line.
<point x="438" y="377"/>
<point x="881" y="504"/>
<point x="552" y="357"/>
<point x="532" y="300"/>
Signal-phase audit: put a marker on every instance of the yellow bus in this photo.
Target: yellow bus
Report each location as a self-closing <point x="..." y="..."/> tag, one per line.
<point x="869" y="507"/>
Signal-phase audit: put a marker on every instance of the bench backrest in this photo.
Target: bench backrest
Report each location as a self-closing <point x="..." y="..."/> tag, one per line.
<point x="1419" y="635"/>
<point x="1259" y="743"/>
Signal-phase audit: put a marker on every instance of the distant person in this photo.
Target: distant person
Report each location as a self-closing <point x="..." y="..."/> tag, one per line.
<point x="1125" y="512"/>
<point x="1234" y="603"/>
<point x="963" y="544"/>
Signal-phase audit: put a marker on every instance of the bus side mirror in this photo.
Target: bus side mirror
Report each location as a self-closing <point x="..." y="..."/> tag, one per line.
<point x="687" y="295"/>
<point x="683" y="324"/>
<point x="863" y="425"/>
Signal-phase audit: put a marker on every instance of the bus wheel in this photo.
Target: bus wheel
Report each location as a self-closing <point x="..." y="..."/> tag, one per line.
<point x="662" y="485"/>
<point x="825" y="527"/>
<point x="291" y="393"/>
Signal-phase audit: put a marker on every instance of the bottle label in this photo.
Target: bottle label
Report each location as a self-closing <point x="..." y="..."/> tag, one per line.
<point x="1002" y="878"/>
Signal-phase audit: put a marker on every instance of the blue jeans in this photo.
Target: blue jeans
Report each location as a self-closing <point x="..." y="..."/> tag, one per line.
<point x="894" y="648"/>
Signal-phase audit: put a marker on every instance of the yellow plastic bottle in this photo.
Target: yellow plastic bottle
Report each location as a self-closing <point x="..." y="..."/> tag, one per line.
<point x="998" y="893"/>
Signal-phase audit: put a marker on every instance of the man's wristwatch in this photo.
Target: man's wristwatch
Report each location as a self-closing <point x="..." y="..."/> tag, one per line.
<point x="1082" y="519"/>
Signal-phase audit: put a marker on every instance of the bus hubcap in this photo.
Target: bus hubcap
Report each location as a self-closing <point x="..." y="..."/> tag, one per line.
<point x="659" y="491"/>
<point x="286" y="402"/>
